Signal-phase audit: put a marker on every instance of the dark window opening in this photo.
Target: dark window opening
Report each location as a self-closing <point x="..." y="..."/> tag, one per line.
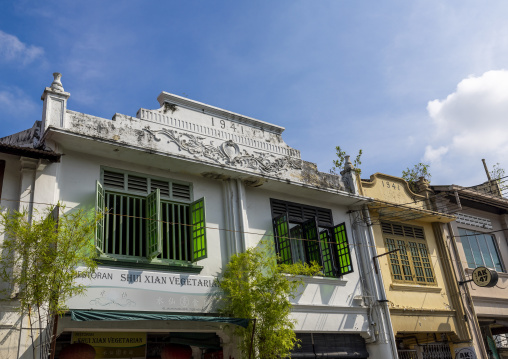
<point x="307" y="234"/>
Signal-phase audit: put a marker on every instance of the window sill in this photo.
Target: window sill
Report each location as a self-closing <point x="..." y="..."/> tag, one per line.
<point x="415" y="288"/>
<point x="320" y="280"/>
<point x="166" y="267"/>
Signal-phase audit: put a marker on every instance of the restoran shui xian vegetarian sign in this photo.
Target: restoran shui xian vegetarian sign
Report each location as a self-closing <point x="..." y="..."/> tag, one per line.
<point x="140" y="290"/>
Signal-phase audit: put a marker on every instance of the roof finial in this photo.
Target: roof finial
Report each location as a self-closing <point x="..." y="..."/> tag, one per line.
<point x="57" y="83"/>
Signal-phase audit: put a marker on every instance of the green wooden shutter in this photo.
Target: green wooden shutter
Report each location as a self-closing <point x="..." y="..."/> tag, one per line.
<point x="341" y="249"/>
<point x="154" y="224"/>
<point x="100" y="209"/>
<point x="282" y="239"/>
<point x="312" y="243"/>
<point x="328" y="265"/>
<point x="198" y="230"/>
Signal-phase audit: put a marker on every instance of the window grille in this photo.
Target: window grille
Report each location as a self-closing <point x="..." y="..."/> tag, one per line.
<point x="407" y="354"/>
<point x="436" y="351"/>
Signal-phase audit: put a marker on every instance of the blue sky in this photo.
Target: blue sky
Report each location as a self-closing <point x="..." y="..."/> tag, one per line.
<point x="405" y="81"/>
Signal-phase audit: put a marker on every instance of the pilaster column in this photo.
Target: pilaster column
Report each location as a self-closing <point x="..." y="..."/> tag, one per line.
<point x="350" y="176"/>
<point x="234" y="216"/>
<point x="55" y="104"/>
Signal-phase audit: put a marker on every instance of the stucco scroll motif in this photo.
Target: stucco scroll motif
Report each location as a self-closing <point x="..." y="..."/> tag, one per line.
<point x="227" y="153"/>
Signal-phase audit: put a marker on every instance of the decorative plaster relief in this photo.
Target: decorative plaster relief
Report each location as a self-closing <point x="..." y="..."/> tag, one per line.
<point x="219" y="129"/>
<point x="228" y="153"/>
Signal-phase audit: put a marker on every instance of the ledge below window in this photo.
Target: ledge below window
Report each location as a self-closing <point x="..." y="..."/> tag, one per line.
<point x="320" y="280"/>
<point x="415" y="288"/>
<point x="173" y="267"/>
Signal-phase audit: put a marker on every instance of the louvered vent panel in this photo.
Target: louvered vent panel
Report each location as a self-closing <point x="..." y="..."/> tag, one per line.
<point x="114" y="179"/>
<point x="161" y="185"/>
<point x="419" y="233"/>
<point x="135" y="183"/>
<point x="325" y="216"/>
<point x="309" y="213"/>
<point x="408" y="232"/>
<point x="299" y="213"/>
<point x="295" y="211"/>
<point x="386" y="228"/>
<point x="181" y="191"/>
<point x="397" y="230"/>
<point x="278" y="208"/>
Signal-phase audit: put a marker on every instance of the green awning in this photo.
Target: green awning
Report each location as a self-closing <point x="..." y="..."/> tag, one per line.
<point x="88" y="315"/>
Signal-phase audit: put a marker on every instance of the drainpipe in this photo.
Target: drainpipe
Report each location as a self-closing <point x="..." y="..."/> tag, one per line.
<point x="380" y="295"/>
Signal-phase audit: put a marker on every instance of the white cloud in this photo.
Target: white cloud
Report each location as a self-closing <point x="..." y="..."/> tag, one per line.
<point x="434" y="155"/>
<point x="468" y="125"/>
<point x="13" y="50"/>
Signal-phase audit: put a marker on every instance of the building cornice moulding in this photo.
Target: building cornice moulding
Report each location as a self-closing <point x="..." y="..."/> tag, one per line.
<point x="428" y="312"/>
<point x="331" y="309"/>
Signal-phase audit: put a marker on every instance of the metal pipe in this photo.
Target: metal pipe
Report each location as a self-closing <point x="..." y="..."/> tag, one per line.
<point x="385" y="310"/>
<point x="486" y="169"/>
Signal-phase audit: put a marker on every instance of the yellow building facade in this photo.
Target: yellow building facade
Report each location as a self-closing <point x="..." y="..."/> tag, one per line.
<point x="421" y="289"/>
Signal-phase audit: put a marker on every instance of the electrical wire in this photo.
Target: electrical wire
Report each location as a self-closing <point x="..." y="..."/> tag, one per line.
<point x="359" y="222"/>
<point x="435" y="196"/>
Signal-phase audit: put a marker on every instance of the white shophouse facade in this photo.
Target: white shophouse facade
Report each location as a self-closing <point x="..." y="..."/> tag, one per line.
<point x="169" y="159"/>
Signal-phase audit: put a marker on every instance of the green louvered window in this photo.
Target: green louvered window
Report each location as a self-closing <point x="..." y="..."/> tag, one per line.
<point x="198" y="230"/>
<point x="326" y="250"/>
<point x="99" y="208"/>
<point x="154" y="224"/>
<point x="148" y="219"/>
<point x="342" y="252"/>
<point x="282" y="239"/>
<point x="306" y="234"/>
<point x="411" y="263"/>
<point x="312" y="243"/>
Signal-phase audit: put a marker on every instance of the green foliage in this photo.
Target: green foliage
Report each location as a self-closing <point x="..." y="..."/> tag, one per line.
<point x="497" y="174"/>
<point x="338" y="164"/>
<point x="412" y="175"/>
<point x="299" y="268"/>
<point x="256" y="287"/>
<point x="39" y="258"/>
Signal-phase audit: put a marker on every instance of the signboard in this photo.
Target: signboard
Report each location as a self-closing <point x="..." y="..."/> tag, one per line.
<point x="484" y="277"/>
<point x="114" y="345"/>
<point x="465" y="353"/>
<point x="139" y="290"/>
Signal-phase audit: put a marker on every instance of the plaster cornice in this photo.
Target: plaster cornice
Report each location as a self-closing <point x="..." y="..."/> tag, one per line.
<point x="428" y="312"/>
<point x="331" y="309"/>
<point x="51" y="131"/>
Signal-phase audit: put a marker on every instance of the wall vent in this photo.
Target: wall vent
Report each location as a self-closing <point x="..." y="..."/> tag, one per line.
<point x="474" y="221"/>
